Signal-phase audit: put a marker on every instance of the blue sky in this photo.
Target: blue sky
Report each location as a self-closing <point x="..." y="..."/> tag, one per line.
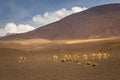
<point x="23" y="11"/>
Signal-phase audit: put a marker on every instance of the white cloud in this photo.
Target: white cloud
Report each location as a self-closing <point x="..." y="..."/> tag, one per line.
<point x="13" y="28"/>
<point x="49" y="17"/>
<point x="2" y="32"/>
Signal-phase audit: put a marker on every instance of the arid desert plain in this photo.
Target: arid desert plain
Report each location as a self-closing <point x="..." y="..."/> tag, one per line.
<point x="84" y="61"/>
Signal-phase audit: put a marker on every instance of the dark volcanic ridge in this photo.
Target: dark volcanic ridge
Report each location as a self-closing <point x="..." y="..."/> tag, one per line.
<point x="96" y="22"/>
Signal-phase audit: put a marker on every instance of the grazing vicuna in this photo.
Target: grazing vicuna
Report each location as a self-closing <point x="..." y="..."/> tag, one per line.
<point x="21" y="59"/>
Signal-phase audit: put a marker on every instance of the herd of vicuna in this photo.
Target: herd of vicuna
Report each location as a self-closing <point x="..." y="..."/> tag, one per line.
<point x="81" y="58"/>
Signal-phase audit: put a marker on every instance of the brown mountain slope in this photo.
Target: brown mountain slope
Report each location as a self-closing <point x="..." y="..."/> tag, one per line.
<point x="101" y="21"/>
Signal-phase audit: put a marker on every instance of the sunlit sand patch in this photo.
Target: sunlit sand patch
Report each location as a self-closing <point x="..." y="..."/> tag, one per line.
<point x="37" y="44"/>
<point x="32" y="41"/>
<point x="88" y="40"/>
<point x="28" y="41"/>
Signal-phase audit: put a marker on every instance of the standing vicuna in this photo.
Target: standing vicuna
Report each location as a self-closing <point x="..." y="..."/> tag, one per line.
<point x="105" y="55"/>
<point x="76" y="57"/>
<point x="99" y="56"/>
<point x="21" y="59"/>
<point x="85" y="56"/>
<point x="93" y="56"/>
<point x="55" y="57"/>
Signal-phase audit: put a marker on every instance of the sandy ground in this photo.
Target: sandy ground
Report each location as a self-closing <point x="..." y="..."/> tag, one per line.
<point x="40" y="66"/>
